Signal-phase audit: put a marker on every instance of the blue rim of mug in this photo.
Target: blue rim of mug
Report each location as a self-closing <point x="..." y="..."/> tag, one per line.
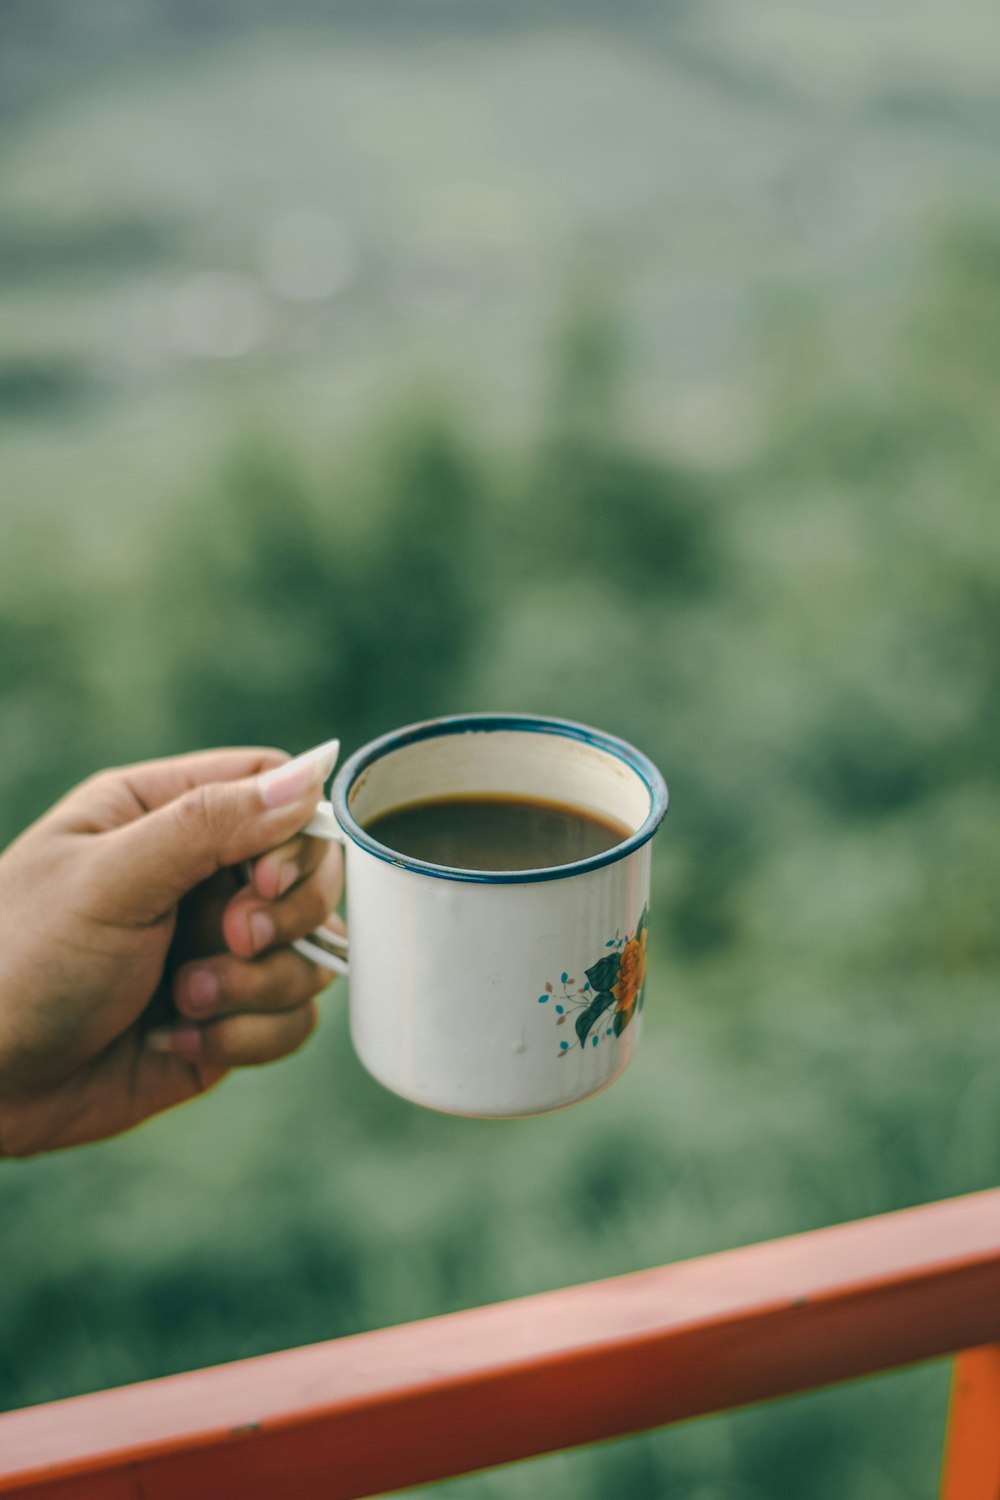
<point x="411" y="734"/>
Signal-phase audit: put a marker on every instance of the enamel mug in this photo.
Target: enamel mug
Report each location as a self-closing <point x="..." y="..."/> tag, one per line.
<point x="485" y="992"/>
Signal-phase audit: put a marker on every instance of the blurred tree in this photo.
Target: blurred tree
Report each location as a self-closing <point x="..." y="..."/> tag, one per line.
<point x="286" y="629"/>
<point x="595" y="507"/>
<point x="416" y="591"/>
<point x="252" y="590"/>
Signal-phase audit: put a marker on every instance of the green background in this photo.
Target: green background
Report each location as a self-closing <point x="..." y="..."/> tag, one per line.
<point x="638" y="363"/>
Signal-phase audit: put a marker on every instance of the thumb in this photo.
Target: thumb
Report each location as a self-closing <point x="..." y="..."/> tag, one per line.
<point x="150" y="863"/>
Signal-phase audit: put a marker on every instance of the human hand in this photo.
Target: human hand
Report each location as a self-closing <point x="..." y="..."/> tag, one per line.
<point x="125" y="897"/>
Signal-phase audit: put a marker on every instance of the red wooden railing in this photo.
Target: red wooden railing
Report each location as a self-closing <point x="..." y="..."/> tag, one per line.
<point x="403" y="1406"/>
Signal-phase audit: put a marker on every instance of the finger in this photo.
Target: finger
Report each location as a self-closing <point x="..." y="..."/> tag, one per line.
<point x="251" y="926"/>
<point x="238" y="1041"/>
<point x="157" y="782"/>
<point x="279" y="869"/>
<point x="224" y="985"/>
<point x="124" y="793"/>
<point x="142" y="869"/>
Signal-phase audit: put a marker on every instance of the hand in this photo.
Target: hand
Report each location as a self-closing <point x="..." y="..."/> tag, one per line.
<point x="121" y="908"/>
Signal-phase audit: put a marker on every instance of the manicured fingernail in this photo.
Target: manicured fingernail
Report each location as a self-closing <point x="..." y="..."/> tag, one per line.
<point x="296" y="777"/>
<point x="183" y="1041"/>
<point x="261" y="930"/>
<point x="202" y="990"/>
<point x="287" y="876"/>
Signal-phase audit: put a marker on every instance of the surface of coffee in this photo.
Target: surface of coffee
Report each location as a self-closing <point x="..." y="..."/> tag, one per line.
<point x="495" y="833"/>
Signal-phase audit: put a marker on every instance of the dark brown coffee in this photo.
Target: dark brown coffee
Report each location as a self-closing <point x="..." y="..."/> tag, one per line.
<point x="495" y="833"/>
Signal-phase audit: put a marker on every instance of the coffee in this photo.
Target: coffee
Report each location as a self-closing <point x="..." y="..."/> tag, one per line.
<point x="495" y="833"/>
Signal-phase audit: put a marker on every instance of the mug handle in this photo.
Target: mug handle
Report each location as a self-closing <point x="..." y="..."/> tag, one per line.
<point x="328" y="949"/>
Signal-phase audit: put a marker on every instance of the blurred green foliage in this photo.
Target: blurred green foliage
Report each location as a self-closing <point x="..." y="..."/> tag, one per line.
<point x="802" y="633"/>
<point x="807" y="648"/>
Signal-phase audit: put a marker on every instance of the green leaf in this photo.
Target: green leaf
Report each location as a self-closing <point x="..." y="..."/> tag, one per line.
<point x="604" y="973"/>
<point x="642" y="923"/>
<point x="586" y="1019"/>
<point x="622" y="1019"/>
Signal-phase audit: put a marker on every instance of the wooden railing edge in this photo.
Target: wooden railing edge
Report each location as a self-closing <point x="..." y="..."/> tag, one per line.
<point x="400" y="1406"/>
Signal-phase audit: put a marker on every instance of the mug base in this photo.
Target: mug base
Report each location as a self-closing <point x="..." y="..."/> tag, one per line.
<point x="531" y="1112"/>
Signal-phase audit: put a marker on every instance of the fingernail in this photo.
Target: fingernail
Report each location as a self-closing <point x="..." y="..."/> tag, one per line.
<point x="183" y="1041"/>
<point x="291" y="781"/>
<point x="202" y="990"/>
<point x="287" y="876"/>
<point x="261" y="930"/>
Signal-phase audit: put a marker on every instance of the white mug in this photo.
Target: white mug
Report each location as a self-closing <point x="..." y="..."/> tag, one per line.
<point x="485" y="992"/>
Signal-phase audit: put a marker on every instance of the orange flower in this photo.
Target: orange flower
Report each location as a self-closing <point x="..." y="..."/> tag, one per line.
<point x="631" y="973"/>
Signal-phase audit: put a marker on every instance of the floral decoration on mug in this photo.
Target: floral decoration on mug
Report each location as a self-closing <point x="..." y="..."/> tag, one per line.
<point x="617" y="980"/>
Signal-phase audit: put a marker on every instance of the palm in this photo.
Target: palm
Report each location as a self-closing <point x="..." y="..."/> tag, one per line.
<point x="116" y="1081"/>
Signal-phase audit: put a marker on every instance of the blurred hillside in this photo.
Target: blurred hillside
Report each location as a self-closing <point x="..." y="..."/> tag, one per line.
<point x="637" y="364"/>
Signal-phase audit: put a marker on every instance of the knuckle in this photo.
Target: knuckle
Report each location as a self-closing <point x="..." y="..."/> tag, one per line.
<point x="207" y="811"/>
<point x="296" y="982"/>
<point x="327" y="893"/>
<point x="280" y="985"/>
<point x="97" y="782"/>
<point x="103" y="794"/>
<point x="242" y="983"/>
<point x="311" y="852"/>
<point x="190" y="811"/>
<point x="305" y="910"/>
<point x="295" y="1030"/>
<point x="226" y="1042"/>
<point x="316" y="901"/>
<point x="281" y="982"/>
<point x="251" y="1041"/>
